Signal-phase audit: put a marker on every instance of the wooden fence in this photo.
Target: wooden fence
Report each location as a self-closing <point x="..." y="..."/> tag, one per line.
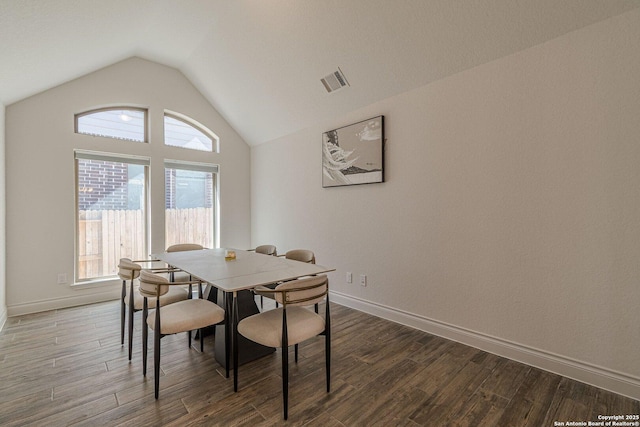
<point x="193" y="225"/>
<point x="108" y="235"/>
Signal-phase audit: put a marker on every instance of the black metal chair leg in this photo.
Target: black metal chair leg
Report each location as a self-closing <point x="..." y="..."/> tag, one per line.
<point x="296" y="352"/>
<point x="285" y="381"/>
<point x="328" y="361"/>
<point x="145" y="336"/>
<point x="201" y="340"/>
<point x="327" y="343"/>
<point x="234" y="323"/>
<point x="156" y="350"/>
<point x="130" y="330"/>
<point x="156" y="362"/>
<point x="122" y="311"/>
<point x="190" y="297"/>
<point x="285" y="364"/>
<point x="227" y="330"/>
<point x="130" y="320"/>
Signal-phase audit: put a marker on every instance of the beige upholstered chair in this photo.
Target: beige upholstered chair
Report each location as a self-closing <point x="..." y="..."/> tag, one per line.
<point x="265" y="250"/>
<point x="127" y="271"/>
<point x="289" y="325"/>
<point x="302" y="255"/>
<point x="182" y="316"/>
<point x="132" y="301"/>
<point x="180" y="247"/>
<point x="181" y="276"/>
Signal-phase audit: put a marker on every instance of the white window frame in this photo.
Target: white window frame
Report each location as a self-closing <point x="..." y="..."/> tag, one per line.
<point x="109" y="157"/>
<point x="215" y="141"/>
<point x="116" y="108"/>
<point x="200" y="167"/>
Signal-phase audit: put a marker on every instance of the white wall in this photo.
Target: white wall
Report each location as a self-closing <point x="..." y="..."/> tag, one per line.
<point x="510" y="215"/>
<point x="3" y="300"/>
<point x="40" y="140"/>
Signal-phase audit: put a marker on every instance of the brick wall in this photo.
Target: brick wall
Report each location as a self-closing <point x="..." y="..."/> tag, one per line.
<point x="105" y="186"/>
<point x="102" y="185"/>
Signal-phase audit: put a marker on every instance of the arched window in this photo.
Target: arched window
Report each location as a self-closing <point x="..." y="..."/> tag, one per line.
<point x="184" y="132"/>
<point x="113" y="197"/>
<point x="126" y="123"/>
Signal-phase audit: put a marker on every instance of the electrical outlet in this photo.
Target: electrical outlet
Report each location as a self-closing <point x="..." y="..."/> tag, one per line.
<point x="349" y="277"/>
<point x="62" y="278"/>
<point x="363" y="280"/>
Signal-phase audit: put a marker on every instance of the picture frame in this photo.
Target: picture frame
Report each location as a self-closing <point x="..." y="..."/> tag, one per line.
<point x="354" y="154"/>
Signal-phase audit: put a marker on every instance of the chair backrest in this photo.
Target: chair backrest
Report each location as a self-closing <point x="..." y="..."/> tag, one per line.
<point x="152" y="285"/>
<point x="127" y="269"/>
<point x="181" y="247"/>
<point x="307" y="291"/>
<point x="302" y="255"/>
<point x="267" y="250"/>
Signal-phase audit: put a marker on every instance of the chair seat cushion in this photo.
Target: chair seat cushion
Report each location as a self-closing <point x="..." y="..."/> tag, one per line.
<point x="186" y="315"/>
<point x="266" y="328"/>
<point x="175" y="294"/>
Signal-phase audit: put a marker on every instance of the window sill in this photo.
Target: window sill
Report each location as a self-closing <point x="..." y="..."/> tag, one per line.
<point x="92" y="284"/>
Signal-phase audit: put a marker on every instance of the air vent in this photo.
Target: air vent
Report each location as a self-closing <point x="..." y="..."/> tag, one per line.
<point x="334" y="81"/>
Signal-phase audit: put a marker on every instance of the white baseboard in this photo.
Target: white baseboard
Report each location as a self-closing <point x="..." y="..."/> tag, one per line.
<point x="58" y="303"/>
<point x="617" y="382"/>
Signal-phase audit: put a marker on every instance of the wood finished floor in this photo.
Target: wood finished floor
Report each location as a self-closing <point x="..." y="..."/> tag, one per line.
<point x="67" y="367"/>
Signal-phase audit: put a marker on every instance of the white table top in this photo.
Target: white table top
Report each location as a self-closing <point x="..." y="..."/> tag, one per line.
<point x="247" y="271"/>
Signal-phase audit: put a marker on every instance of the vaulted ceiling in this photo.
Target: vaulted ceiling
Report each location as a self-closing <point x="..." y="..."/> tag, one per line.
<point x="259" y="62"/>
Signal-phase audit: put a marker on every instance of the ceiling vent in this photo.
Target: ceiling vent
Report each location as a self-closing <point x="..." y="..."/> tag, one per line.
<point x="334" y="81"/>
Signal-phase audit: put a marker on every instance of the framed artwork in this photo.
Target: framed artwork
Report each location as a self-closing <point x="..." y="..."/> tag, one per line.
<point x="354" y="154"/>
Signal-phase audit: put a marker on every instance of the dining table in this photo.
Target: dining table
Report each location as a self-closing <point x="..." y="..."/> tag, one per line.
<point x="235" y="272"/>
